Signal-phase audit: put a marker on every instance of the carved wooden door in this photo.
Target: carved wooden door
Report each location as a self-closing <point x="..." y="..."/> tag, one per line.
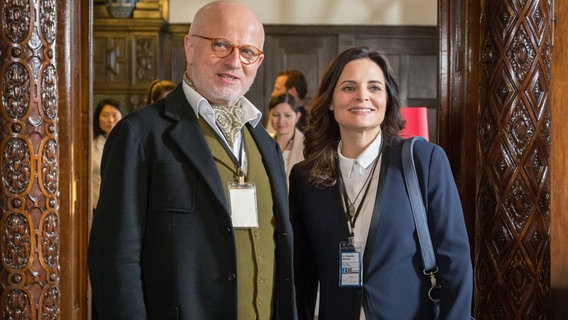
<point x="44" y="85"/>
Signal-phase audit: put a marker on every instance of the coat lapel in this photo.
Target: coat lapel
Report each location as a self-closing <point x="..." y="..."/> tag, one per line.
<point x="371" y="237"/>
<point x="188" y="136"/>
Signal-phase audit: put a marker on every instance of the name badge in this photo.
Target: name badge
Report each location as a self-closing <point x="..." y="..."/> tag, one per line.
<point x="242" y="203"/>
<point x="350" y="268"/>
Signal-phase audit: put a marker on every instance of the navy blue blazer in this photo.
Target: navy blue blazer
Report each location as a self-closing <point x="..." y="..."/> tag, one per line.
<point x="162" y="244"/>
<point x="394" y="286"/>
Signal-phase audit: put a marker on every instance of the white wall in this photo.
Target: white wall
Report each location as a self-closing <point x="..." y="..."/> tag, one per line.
<point x="352" y="12"/>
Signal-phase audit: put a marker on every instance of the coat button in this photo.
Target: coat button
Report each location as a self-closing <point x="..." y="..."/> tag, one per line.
<point x="228" y="229"/>
<point x="232" y="277"/>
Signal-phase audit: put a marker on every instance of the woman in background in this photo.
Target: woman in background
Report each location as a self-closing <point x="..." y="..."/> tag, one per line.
<point x="283" y="117"/>
<point x="159" y="89"/>
<point x="107" y="114"/>
<point x="354" y="232"/>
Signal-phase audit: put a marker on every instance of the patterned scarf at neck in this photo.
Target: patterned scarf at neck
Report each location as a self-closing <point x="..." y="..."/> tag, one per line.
<point x="228" y="119"/>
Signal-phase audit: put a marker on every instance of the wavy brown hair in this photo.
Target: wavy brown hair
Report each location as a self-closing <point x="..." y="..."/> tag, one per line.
<point x="322" y="133"/>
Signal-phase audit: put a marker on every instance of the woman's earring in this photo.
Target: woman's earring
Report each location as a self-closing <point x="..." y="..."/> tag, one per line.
<point x="330" y="107"/>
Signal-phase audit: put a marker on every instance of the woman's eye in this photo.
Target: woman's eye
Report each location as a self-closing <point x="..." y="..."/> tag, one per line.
<point x="376" y="89"/>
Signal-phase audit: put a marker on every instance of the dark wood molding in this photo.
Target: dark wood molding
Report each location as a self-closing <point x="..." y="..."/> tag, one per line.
<point x="74" y="83"/>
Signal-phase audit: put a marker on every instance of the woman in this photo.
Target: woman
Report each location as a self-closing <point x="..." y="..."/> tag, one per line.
<point x="283" y="118"/>
<point x="348" y="200"/>
<point x="159" y="89"/>
<point x="107" y="114"/>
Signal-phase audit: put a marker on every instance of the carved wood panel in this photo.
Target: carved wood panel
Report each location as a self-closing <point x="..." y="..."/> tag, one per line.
<point x="513" y="189"/>
<point x="29" y="147"/>
<point x="126" y="59"/>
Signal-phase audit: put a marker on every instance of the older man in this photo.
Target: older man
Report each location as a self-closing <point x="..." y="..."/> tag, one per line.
<point x="192" y="221"/>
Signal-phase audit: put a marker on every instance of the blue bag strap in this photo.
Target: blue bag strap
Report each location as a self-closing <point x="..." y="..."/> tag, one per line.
<point x="417" y="205"/>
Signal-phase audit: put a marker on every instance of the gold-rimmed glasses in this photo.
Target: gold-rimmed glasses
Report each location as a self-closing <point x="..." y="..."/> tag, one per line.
<point x="222" y="48"/>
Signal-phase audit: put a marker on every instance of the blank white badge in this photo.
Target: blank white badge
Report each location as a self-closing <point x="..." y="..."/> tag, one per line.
<point x="242" y="201"/>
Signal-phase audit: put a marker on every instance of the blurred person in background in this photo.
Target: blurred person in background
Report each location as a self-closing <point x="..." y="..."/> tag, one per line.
<point x="283" y="117"/>
<point x="159" y="89"/>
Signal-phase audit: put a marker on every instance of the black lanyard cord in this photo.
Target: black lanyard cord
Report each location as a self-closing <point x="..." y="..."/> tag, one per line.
<point x="347" y="205"/>
<point x="240" y="173"/>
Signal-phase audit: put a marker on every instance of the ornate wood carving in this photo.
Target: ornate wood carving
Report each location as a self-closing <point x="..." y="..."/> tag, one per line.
<point x="126" y="58"/>
<point x="512" y="273"/>
<point x="29" y="200"/>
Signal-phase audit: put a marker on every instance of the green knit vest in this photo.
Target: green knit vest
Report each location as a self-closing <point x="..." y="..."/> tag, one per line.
<point x="255" y="246"/>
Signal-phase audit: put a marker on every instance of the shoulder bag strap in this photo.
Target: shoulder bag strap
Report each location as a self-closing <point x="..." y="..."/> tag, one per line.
<point x="420" y="220"/>
<point x="417" y="204"/>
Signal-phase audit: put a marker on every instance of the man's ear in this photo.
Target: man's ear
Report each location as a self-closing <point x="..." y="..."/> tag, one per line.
<point x="260" y="59"/>
<point x="188" y="46"/>
<point x="293" y="92"/>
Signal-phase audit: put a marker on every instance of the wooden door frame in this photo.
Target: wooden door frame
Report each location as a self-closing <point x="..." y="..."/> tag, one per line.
<point x="75" y="91"/>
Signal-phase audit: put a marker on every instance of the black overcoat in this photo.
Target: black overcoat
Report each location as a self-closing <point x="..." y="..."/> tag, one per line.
<point x="162" y="244"/>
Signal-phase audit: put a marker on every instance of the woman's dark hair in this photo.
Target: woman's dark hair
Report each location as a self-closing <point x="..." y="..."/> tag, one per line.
<point x="96" y="124"/>
<point x="282" y="98"/>
<point x="322" y="133"/>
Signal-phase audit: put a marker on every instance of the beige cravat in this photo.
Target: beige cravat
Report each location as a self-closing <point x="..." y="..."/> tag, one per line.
<point x="229" y="120"/>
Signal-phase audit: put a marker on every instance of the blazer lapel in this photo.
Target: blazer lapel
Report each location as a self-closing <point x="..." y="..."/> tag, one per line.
<point x="371" y="237"/>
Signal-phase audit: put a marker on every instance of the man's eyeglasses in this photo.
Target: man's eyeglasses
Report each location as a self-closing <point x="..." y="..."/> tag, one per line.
<point x="222" y="48"/>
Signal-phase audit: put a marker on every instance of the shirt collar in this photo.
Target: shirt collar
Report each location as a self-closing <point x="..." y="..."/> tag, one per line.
<point x="201" y="106"/>
<point x="363" y="161"/>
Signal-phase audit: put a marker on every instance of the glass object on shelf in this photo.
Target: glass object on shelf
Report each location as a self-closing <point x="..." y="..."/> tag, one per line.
<point x="121" y="8"/>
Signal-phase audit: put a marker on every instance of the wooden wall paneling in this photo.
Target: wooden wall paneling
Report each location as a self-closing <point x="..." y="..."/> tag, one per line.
<point x="304" y="52"/>
<point x="174" y="59"/>
<point x="459" y="94"/>
<point x="127" y="58"/>
<point x="559" y="166"/>
<point x="111" y="60"/>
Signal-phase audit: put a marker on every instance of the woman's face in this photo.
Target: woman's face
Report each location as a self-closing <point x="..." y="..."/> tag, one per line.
<point x="108" y="118"/>
<point x="360" y="97"/>
<point x="283" y="118"/>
